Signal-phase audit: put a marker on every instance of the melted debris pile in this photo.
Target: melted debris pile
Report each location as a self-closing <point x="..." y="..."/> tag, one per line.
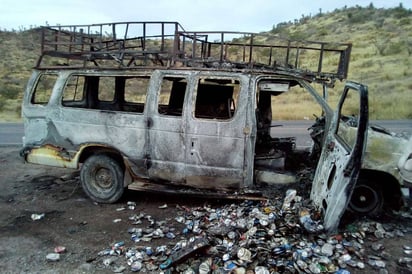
<point x="284" y="236"/>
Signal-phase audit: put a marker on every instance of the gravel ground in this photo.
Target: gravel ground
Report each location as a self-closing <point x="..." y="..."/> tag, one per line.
<point x="86" y="230"/>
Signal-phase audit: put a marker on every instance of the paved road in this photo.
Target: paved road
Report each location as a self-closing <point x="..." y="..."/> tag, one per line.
<point x="12" y="133"/>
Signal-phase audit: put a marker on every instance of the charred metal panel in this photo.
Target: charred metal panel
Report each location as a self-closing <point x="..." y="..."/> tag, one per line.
<point x="120" y="130"/>
<point x="405" y="164"/>
<point x="216" y="148"/>
<point x="382" y="152"/>
<point x="249" y="133"/>
<point x="124" y="131"/>
<point x="328" y="191"/>
<point x="70" y="127"/>
<point x="166" y="133"/>
<point x="340" y="163"/>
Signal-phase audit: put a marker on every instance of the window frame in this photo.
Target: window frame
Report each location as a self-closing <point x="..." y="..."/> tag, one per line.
<point x="234" y="102"/>
<point x="48" y="92"/>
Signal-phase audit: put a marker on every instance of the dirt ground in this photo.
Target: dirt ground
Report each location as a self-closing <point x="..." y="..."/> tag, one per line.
<point x="85" y="228"/>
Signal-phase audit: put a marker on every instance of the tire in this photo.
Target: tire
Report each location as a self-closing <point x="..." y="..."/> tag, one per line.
<point x="367" y="199"/>
<point x="102" y="178"/>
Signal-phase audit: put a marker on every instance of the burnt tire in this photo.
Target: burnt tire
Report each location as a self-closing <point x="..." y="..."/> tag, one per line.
<point x="102" y="178"/>
<point x="367" y="199"/>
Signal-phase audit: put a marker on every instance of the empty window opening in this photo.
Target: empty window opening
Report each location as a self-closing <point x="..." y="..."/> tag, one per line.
<point x="135" y="93"/>
<point x="171" y="96"/>
<point x="44" y="88"/>
<point x="216" y="98"/>
<point x="349" y="114"/>
<point x="73" y="94"/>
<point x="116" y="93"/>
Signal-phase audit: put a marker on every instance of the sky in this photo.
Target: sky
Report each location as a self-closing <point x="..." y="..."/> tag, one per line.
<point x="193" y="15"/>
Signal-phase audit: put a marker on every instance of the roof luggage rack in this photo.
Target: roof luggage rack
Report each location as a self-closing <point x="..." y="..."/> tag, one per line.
<point x="126" y="45"/>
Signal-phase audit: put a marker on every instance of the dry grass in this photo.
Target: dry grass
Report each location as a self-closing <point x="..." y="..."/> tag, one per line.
<point x="381" y="59"/>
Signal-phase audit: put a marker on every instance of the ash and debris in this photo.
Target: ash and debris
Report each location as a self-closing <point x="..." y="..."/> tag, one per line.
<point x="282" y="235"/>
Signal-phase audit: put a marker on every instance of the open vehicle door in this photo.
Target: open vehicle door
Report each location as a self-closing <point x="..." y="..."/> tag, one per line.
<point x="341" y="157"/>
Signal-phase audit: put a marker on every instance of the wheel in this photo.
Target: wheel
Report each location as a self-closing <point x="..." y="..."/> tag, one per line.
<point x="102" y="178"/>
<point x="367" y="199"/>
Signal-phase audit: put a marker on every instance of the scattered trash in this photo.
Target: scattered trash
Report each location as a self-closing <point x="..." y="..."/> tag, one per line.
<point x="307" y="222"/>
<point x="244" y="255"/>
<point x="290" y="196"/>
<point x="131" y="205"/>
<point x="136" y="266"/>
<point x="53" y="257"/>
<point x="109" y="261"/>
<point x="407" y="249"/>
<point x="117" y="220"/>
<point x="274" y="236"/>
<point x="36" y="217"/>
<point x="405" y="261"/>
<point x="163" y="206"/>
<point x="119" y="269"/>
<point x="195" y="246"/>
<point x="60" y="249"/>
<point x="377" y="246"/>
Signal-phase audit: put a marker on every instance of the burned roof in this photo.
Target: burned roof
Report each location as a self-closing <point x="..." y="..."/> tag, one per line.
<point x="128" y="45"/>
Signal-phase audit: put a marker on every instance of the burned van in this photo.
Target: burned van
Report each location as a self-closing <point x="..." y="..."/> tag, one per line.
<point x="171" y="110"/>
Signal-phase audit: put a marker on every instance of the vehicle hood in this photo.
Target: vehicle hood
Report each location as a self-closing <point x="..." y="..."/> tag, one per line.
<point x="383" y="150"/>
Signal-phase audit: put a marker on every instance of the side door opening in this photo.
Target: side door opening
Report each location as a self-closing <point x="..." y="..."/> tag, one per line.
<point x="283" y="148"/>
<point x="341" y="156"/>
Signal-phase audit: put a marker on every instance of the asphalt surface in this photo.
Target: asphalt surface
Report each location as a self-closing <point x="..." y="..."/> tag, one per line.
<point x="12" y="133"/>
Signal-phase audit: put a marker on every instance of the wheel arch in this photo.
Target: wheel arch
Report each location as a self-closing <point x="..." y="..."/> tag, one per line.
<point x="89" y="150"/>
<point x="390" y="186"/>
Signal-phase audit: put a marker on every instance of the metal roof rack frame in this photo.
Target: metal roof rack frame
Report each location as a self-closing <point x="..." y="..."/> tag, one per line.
<point x="127" y="45"/>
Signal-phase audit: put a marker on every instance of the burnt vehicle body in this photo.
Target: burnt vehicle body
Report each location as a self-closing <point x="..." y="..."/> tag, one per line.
<point x="172" y="109"/>
<point x="405" y="164"/>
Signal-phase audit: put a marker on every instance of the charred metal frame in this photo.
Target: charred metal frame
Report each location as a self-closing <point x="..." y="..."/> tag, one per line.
<point x="172" y="46"/>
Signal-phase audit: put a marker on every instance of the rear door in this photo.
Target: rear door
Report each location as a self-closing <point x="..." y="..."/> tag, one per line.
<point x="341" y="157"/>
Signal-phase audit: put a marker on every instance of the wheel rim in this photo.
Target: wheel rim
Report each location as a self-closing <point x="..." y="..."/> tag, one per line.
<point x="364" y="199"/>
<point x="103" y="178"/>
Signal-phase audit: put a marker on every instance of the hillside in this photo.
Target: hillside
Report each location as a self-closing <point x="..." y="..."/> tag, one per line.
<point x="381" y="53"/>
<point x="381" y="56"/>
